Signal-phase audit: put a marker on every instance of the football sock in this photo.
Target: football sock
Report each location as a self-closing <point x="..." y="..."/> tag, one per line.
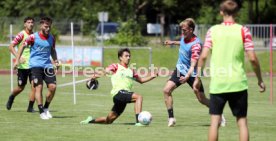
<point x="136" y="116"/>
<point x="170" y="112"/>
<point x="31" y="104"/>
<point x="92" y="121"/>
<point x="40" y="107"/>
<point x="46" y="105"/>
<point x="11" y="98"/>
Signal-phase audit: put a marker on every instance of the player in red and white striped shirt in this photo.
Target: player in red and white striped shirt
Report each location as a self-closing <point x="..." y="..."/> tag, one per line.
<point x="23" y="71"/>
<point x="246" y="37"/>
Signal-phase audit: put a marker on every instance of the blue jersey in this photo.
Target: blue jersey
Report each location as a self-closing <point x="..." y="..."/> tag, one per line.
<point x="185" y="56"/>
<point x="41" y="51"/>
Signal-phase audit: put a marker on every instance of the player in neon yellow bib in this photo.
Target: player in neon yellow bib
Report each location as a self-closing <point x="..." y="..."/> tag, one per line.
<point x="227" y="43"/>
<point x="23" y="71"/>
<point x="122" y="78"/>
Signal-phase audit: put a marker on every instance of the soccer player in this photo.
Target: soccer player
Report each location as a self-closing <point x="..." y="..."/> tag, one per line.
<point x="185" y="72"/>
<point x="228" y="41"/>
<point x="42" y="46"/>
<point x="122" y="78"/>
<point x="23" y="72"/>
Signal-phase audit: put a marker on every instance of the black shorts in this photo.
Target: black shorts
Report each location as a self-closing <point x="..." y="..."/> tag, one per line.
<point x="22" y="76"/>
<point x="120" y="101"/>
<point x="237" y="102"/>
<point x="176" y="76"/>
<point x="43" y="74"/>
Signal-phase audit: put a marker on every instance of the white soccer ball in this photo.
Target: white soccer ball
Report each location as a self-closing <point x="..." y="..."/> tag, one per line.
<point x="145" y="118"/>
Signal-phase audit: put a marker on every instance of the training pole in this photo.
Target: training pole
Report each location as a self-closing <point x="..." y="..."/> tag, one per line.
<point x="11" y="59"/>
<point x="73" y="63"/>
<point x="271" y="65"/>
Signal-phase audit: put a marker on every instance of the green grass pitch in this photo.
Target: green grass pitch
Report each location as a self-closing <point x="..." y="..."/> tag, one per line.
<point x="192" y="118"/>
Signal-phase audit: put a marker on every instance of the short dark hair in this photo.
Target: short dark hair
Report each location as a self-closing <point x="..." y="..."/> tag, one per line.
<point x="45" y="20"/>
<point x="229" y="7"/>
<point x="28" y="18"/>
<point x="121" y="51"/>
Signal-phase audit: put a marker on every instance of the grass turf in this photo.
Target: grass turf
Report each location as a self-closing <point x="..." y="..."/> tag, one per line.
<point x="192" y="117"/>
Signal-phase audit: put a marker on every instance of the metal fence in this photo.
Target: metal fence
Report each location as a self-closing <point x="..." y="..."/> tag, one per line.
<point x="61" y="27"/>
<point x="260" y="32"/>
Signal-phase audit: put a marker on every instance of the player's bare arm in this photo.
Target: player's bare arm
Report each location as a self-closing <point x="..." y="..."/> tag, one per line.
<point x="101" y="73"/>
<point x="19" y="53"/>
<point x="12" y="50"/>
<point x="188" y="75"/>
<point x="256" y="67"/>
<point x="54" y="57"/>
<point x="200" y="64"/>
<point x="169" y="42"/>
<point x="148" y="78"/>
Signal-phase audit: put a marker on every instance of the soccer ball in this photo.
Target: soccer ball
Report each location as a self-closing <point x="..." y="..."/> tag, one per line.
<point x="92" y="84"/>
<point x="145" y="118"/>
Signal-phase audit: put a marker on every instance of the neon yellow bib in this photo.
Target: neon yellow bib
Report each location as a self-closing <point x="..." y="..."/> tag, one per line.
<point x="227" y="60"/>
<point x="25" y="54"/>
<point x="121" y="80"/>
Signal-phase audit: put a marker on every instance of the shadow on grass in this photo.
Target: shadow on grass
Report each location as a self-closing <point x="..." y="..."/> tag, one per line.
<point x="129" y="123"/>
<point x="64" y="116"/>
<point x="193" y="125"/>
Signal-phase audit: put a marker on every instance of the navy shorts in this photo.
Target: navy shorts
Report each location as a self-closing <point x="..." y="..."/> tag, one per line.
<point x="22" y="76"/>
<point x="43" y="74"/>
<point x="176" y="76"/>
<point x="236" y="100"/>
<point x="120" y="100"/>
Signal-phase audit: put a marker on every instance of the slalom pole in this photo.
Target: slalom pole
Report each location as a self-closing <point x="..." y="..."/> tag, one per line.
<point x="271" y="66"/>
<point x="11" y="59"/>
<point x="73" y="62"/>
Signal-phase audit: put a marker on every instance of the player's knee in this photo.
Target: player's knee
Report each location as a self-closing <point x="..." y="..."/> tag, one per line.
<point x="201" y="101"/>
<point x="52" y="87"/>
<point x="38" y="86"/>
<point x="110" y="120"/>
<point x="136" y="97"/>
<point x="139" y="97"/>
<point x="166" y="91"/>
<point x="196" y="91"/>
<point x="21" y="88"/>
